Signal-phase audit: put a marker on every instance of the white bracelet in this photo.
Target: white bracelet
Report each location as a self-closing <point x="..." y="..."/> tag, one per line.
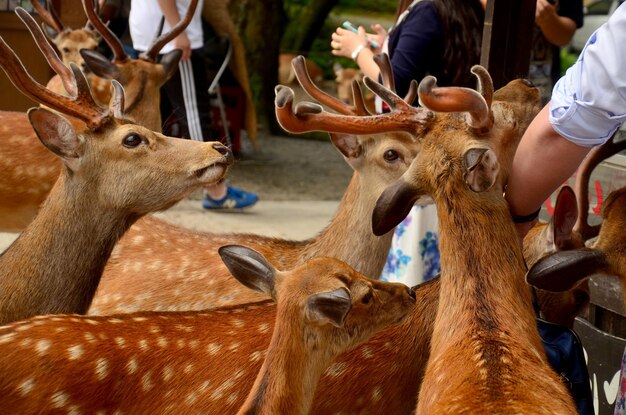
<point x="356" y="51"/>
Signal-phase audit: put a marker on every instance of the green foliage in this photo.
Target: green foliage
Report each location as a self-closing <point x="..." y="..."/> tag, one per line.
<point x="567" y="59"/>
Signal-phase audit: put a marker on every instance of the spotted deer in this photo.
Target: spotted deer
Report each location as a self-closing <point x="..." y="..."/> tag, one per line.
<point x="486" y="355"/>
<point x="382" y="375"/>
<point x="161" y="362"/>
<point x="28" y="170"/>
<point x="196" y="278"/>
<point x="114" y="172"/>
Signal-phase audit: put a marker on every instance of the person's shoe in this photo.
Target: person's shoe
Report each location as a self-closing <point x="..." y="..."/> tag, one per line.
<point x="234" y="199"/>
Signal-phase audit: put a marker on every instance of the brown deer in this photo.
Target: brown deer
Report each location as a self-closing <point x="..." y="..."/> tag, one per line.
<point x="23" y="187"/>
<point x="197" y="279"/>
<point x="113" y="173"/>
<point x="150" y="362"/>
<point x="382" y="375"/>
<point x="67" y="42"/>
<point x="563" y="270"/>
<point x="486" y="355"/>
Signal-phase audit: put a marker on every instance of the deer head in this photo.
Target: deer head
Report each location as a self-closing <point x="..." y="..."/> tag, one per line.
<point x="114" y="172"/>
<point x="68" y="42"/>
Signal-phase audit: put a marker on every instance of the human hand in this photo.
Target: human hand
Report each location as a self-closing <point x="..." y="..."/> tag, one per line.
<point x="344" y="41"/>
<point x="544" y="12"/>
<point x="182" y="42"/>
<point x="379" y="37"/>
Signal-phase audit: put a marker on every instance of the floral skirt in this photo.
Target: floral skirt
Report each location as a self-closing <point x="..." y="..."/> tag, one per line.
<point x="414" y="254"/>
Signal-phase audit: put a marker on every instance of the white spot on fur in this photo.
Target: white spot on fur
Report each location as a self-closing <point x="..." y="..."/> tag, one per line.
<point x="264" y="327"/>
<point x="168" y="372"/>
<point x="366" y="352"/>
<point x="121" y="342"/>
<point x="256" y="356"/>
<point x="336" y="369"/>
<point x="162" y="342"/>
<point x="143" y="345"/>
<point x="42" y="346"/>
<point x="59" y="399"/>
<point x="146" y="382"/>
<point x="139" y="319"/>
<point x="213" y="348"/>
<point x="92" y="322"/>
<point x="234" y="347"/>
<point x="188" y="368"/>
<point x="184" y="328"/>
<point x="155" y="329"/>
<point x="232" y="398"/>
<point x="24" y="327"/>
<point x="377" y="393"/>
<point x="75" y="352"/>
<point x="7" y="338"/>
<point x="26" y="342"/>
<point x="194" y="344"/>
<point x="132" y="365"/>
<point x="237" y="323"/>
<point x="115" y="320"/>
<point x="89" y="337"/>
<point x="219" y="391"/>
<point x="102" y="368"/>
<point x="26" y="387"/>
<point x="180" y="343"/>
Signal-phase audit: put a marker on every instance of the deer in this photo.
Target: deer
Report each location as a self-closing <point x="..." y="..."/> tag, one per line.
<point x="114" y="172"/>
<point x="382" y="375"/>
<point x="67" y="42"/>
<point x="560" y="271"/>
<point x="145" y="362"/>
<point x="197" y="278"/>
<point x="22" y="187"/>
<point x="486" y="354"/>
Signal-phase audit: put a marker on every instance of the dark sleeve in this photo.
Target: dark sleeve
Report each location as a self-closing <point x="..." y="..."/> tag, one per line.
<point x="572" y="9"/>
<point x="416" y="46"/>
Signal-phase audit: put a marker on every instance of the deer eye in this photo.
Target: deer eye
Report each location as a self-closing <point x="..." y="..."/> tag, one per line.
<point x="367" y="297"/>
<point x="132" y="140"/>
<point x="66" y="50"/>
<point x="391" y="155"/>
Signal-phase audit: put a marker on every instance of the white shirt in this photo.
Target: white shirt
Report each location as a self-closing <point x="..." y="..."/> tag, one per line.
<point x="144" y="19"/>
<point x="589" y="102"/>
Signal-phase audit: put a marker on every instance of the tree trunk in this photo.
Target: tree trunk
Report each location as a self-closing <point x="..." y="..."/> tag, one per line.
<point x="304" y="25"/>
<point x="261" y="24"/>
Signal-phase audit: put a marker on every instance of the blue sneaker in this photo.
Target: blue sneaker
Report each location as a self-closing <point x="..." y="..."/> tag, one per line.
<point x="234" y="199"/>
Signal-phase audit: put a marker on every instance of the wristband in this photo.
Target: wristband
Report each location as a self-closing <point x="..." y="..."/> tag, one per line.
<point x="356" y="51"/>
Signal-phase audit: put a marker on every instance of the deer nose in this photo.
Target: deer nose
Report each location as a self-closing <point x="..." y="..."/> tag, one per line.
<point x="223" y="150"/>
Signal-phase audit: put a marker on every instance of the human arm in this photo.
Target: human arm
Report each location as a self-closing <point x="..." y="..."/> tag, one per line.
<point x="558" y="30"/>
<point x="344" y="42"/>
<point x="588" y="105"/>
<point x="170" y="12"/>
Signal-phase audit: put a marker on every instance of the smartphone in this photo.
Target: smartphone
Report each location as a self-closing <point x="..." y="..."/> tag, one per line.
<point x="350" y="26"/>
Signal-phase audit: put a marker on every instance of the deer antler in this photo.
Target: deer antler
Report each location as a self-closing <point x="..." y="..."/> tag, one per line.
<point x="308" y="116"/>
<point x="109" y="37"/>
<point x="48" y="16"/>
<point x="82" y="106"/>
<point x="153" y="51"/>
<point x="595" y="157"/>
<point x="457" y="99"/>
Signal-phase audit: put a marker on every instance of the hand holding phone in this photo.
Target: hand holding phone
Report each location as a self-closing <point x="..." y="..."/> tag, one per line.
<point x="350" y="26"/>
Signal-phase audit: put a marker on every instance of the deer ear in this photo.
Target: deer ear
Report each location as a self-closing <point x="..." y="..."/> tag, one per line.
<point x="564" y="218"/>
<point x="482" y="168"/>
<point x="49" y="31"/>
<point x="564" y="269"/>
<point x="329" y="307"/>
<point x="392" y="206"/>
<point x="250" y="268"/>
<point x="56" y="133"/>
<point x="348" y="145"/>
<point x="100" y="65"/>
<point x="170" y="62"/>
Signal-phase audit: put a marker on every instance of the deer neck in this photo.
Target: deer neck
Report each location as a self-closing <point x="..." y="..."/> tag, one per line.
<point x="349" y="235"/>
<point x="57" y="262"/>
<point x="289" y="376"/>
<point x="482" y="273"/>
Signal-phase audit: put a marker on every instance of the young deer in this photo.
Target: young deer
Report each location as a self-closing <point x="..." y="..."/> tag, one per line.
<point x="113" y="173"/>
<point x="162" y="362"/>
<point x="486" y="355"/>
<point x="23" y="187"/>
<point x="195" y="277"/>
